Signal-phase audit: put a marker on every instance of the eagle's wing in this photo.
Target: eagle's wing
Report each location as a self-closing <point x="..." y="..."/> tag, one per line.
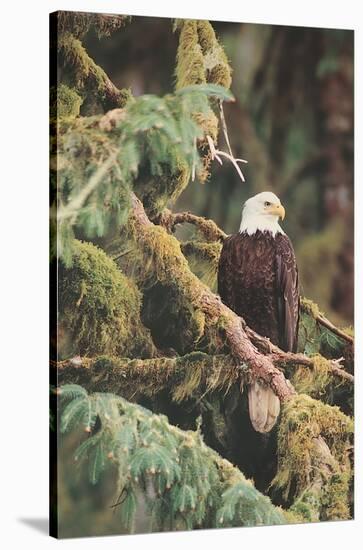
<point x="287" y="281"/>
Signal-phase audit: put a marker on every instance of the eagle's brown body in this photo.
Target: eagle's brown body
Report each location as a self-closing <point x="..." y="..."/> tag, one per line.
<point x="258" y="280"/>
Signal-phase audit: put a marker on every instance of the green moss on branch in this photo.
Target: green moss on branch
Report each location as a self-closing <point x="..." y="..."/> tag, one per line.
<point x="183" y="377"/>
<point x="82" y="73"/>
<point x="200" y="57"/>
<point x="65" y="103"/>
<point x="99" y="308"/>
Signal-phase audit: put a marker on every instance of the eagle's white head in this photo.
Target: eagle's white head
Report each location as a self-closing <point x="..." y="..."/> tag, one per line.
<point x="262" y="212"/>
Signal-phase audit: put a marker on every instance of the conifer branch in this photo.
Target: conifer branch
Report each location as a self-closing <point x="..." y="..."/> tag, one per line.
<point x="328" y="324"/>
<point x="166" y="465"/>
<point x="313" y="309"/>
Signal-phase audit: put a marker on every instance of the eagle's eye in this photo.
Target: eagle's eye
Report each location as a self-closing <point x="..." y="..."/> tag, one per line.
<point x="267" y="203"/>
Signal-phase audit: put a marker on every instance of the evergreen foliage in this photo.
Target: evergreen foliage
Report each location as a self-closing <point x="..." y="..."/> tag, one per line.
<point x="185" y="483"/>
<point x="314" y="337"/>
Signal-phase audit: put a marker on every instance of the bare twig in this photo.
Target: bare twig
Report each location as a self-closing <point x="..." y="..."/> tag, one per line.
<point x="216" y="154"/>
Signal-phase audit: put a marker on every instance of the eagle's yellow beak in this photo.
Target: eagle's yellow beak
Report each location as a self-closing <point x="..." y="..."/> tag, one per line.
<point x="276" y="210"/>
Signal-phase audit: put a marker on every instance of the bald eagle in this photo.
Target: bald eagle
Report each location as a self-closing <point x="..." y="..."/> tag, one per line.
<point x="258" y="280"/>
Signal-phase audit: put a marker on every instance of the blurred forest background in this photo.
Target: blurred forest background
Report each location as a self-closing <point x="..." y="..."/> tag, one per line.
<point x="293" y="122"/>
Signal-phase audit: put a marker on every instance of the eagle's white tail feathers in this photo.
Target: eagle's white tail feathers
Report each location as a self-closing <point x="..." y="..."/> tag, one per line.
<point x="264" y="407"/>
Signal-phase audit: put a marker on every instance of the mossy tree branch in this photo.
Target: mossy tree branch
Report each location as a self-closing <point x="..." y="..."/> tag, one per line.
<point x="284" y="359"/>
<point x="85" y="74"/>
<point x="193" y="374"/>
<point x="208" y="228"/>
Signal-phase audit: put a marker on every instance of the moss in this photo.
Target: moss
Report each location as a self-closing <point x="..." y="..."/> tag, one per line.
<point x="310" y="307"/>
<point x="215" y="59"/>
<point x="349" y="331"/>
<point x="335" y="497"/>
<point x="200" y="57"/>
<point x="99" y="307"/>
<point x="125" y="97"/>
<point x="208" y="123"/>
<point x="79" y="23"/>
<point x="82" y="73"/>
<point x="220" y="74"/>
<point x="190" y="62"/>
<point x="171" y="305"/>
<point x="313" y="381"/>
<point x="306" y="507"/>
<point x="187" y="377"/>
<point x="65" y="103"/>
<point x="158" y="192"/>
<point x="314" y="442"/>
